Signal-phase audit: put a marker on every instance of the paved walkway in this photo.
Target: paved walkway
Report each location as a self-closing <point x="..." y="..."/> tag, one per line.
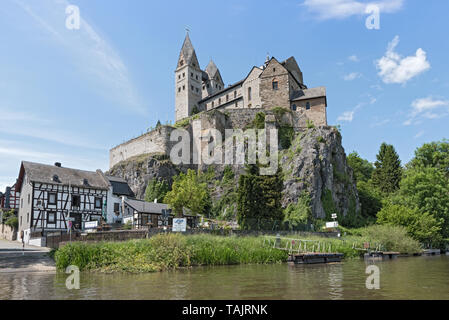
<point x="32" y="259"/>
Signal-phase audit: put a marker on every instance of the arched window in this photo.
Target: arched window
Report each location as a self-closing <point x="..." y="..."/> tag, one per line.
<point x="294" y="107"/>
<point x="308" y="106"/>
<point x="249" y="94"/>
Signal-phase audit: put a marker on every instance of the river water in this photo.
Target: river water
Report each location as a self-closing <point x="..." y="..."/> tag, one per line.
<point x="402" y="278"/>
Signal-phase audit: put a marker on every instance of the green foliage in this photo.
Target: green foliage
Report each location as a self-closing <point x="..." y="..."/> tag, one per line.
<point x="352" y="219"/>
<point x="259" y="198"/>
<point x="298" y="213"/>
<point x="310" y="124"/>
<point x="427" y="190"/>
<point x="392" y="238"/>
<point x="228" y="174"/>
<point x="128" y="225"/>
<point x="388" y="172"/>
<point x="166" y="252"/>
<point x="286" y="135"/>
<point x="363" y="169"/>
<point x="182" y="123"/>
<point x="279" y="113"/>
<point x="188" y="192"/>
<point x="328" y="204"/>
<point x="10" y="219"/>
<point x="156" y="189"/>
<point x="320" y="139"/>
<point x="370" y="199"/>
<point x="434" y="155"/>
<point x="422" y="227"/>
<point x="258" y="122"/>
<point x="195" y="110"/>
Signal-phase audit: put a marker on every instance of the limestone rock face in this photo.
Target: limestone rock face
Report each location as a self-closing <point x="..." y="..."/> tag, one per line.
<point x="316" y="163"/>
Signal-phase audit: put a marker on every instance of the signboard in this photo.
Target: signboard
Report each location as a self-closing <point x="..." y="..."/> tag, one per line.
<point x="334" y="216"/>
<point x="179" y="224"/>
<point x="91" y="225"/>
<point x="333" y="224"/>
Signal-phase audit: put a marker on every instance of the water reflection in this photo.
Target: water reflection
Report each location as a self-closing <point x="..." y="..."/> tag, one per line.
<point x="403" y="278"/>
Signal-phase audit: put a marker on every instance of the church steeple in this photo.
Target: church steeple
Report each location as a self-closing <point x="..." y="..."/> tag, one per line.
<point x="187" y="56"/>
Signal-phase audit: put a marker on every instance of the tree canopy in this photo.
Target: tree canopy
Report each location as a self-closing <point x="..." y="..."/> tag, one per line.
<point x="388" y="172"/>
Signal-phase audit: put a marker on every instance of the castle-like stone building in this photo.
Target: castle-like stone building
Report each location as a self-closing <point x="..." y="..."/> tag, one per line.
<point x="275" y="84"/>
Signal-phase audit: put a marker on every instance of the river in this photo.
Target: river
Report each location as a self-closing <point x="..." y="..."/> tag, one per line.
<point x="402" y="278"/>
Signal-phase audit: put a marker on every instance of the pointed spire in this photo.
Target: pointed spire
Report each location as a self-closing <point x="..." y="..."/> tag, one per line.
<point x="211" y="69"/>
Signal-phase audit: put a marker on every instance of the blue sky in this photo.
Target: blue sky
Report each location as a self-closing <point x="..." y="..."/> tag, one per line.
<point x="71" y="95"/>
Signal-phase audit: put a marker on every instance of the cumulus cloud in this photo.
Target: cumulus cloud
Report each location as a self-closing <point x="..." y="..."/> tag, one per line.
<point x="393" y="68"/>
<point x="346" y="116"/>
<point x="427" y="108"/>
<point x="352" y="76"/>
<point x="341" y="9"/>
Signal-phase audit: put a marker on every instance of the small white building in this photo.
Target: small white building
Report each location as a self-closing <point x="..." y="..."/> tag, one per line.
<point x="119" y="190"/>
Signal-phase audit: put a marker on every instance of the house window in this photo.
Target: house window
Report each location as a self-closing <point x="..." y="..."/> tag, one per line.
<point x="76" y="201"/>
<point x="236" y="104"/>
<point x="196" y="77"/>
<point x="28" y="199"/>
<point x="183" y="74"/>
<point x="235" y="94"/>
<point x="275" y="85"/>
<point x="51" y="217"/>
<point x="212" y="104"/>
<point x="294" y="107"/>
<point x="183" y="87"/>
<point x="249" y="94"/>
<point x="308" y="106"/>
<point x="179" y="76"/>
<point x="98" y="202"/>
<point x="227" y="97"/>
<point x="179" y="89"/>
<point x="191" y="87"/>
<point x="219" y="101"/>
<point x="117" y="208"/>
<point x="52" y="198"/>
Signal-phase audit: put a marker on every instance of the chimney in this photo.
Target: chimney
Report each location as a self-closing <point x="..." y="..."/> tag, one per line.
<point x="58" y="164"/>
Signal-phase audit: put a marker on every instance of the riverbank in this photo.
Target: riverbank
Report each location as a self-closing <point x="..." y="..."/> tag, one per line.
<point x="174" y="251"/>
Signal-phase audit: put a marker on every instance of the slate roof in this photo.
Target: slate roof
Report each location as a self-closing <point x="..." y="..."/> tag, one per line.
<point x="306" y="94"/>
<point x="120" y="186"/>
<point x="43" y="173"/>
<point x="187" y="49"/>
<point x="211" y="69"/>
<point x="146" y="207"/>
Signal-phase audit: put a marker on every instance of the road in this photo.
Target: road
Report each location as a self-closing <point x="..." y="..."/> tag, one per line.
<point x="32" y="259"/>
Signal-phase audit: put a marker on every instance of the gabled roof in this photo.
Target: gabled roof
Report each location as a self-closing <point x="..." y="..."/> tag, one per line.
<point x="306" y="94"/>
<point x="211" y="69"/>
<point x="43" y="173"/>
<point x="146" y="207"/>
<point x="292" y="66"/>
<point x="120" y="186"/>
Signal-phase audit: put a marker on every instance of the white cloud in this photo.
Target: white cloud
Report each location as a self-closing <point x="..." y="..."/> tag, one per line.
<point x="419" y="134"/>
<point x="353" y="58"/>
<point x="95" y="57"/>
<point x="395" y="69"/>
<point x="346" y="116"/>
<point x="427" y="108"/>
<point x="341" y="9"/>
<point x="352" y="76"/>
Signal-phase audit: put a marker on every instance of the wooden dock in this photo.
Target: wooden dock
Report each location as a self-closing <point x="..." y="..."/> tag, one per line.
<point x="432" y="252"/>
<point x="314" y="257"/>
<point x="381" y="255"/>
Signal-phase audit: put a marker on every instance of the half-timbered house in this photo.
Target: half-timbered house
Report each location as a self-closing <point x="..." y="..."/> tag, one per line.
<point x="51" y="196"/>
<point x="10" y="199"/>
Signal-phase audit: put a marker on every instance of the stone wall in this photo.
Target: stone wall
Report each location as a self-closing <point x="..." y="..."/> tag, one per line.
<point x="275" y="98"/>
<point x="317" y="111"/>
<point x="156" y="141"/>
<point x="7" y="233"/>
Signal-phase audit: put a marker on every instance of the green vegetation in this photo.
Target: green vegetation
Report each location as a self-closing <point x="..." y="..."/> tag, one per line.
<point x="258" y="122"/>
<point x="259" y="199"/>
<point x="388" y="173"/>
<point x="188" y="191"/>
<point x="167" y="252"/>
<point x="286" y="135"/>
<point x="299" y="213"/>
<point x="328" y="204"/>
<point x="156" y="189"/>
<point x="10" y="219"/>
<point x="310" y="124"/>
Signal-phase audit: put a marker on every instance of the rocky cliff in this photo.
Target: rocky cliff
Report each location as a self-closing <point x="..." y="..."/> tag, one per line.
<point x="315" y="163"/>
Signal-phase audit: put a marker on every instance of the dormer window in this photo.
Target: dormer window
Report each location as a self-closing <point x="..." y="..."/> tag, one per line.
<point x="56" y="178"/>
<point x="85" y="182"/>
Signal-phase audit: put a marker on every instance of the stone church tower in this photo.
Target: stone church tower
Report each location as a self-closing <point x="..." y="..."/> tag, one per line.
<point x="188" y="81"/>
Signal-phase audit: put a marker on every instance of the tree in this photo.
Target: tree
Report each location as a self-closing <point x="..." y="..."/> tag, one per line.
<point x="388" y="172"/>
<point x="363" y="169"/>
<point x="299" y="213"/>
<point x="188" y="192"/>
<point x="370" y="199"/>
<point x="259" y="199"/>
<point x="156" y="189"/>
<point x="427" y="190"/>
<point x="434" y="154"/>
<point x="423" y="227"/>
